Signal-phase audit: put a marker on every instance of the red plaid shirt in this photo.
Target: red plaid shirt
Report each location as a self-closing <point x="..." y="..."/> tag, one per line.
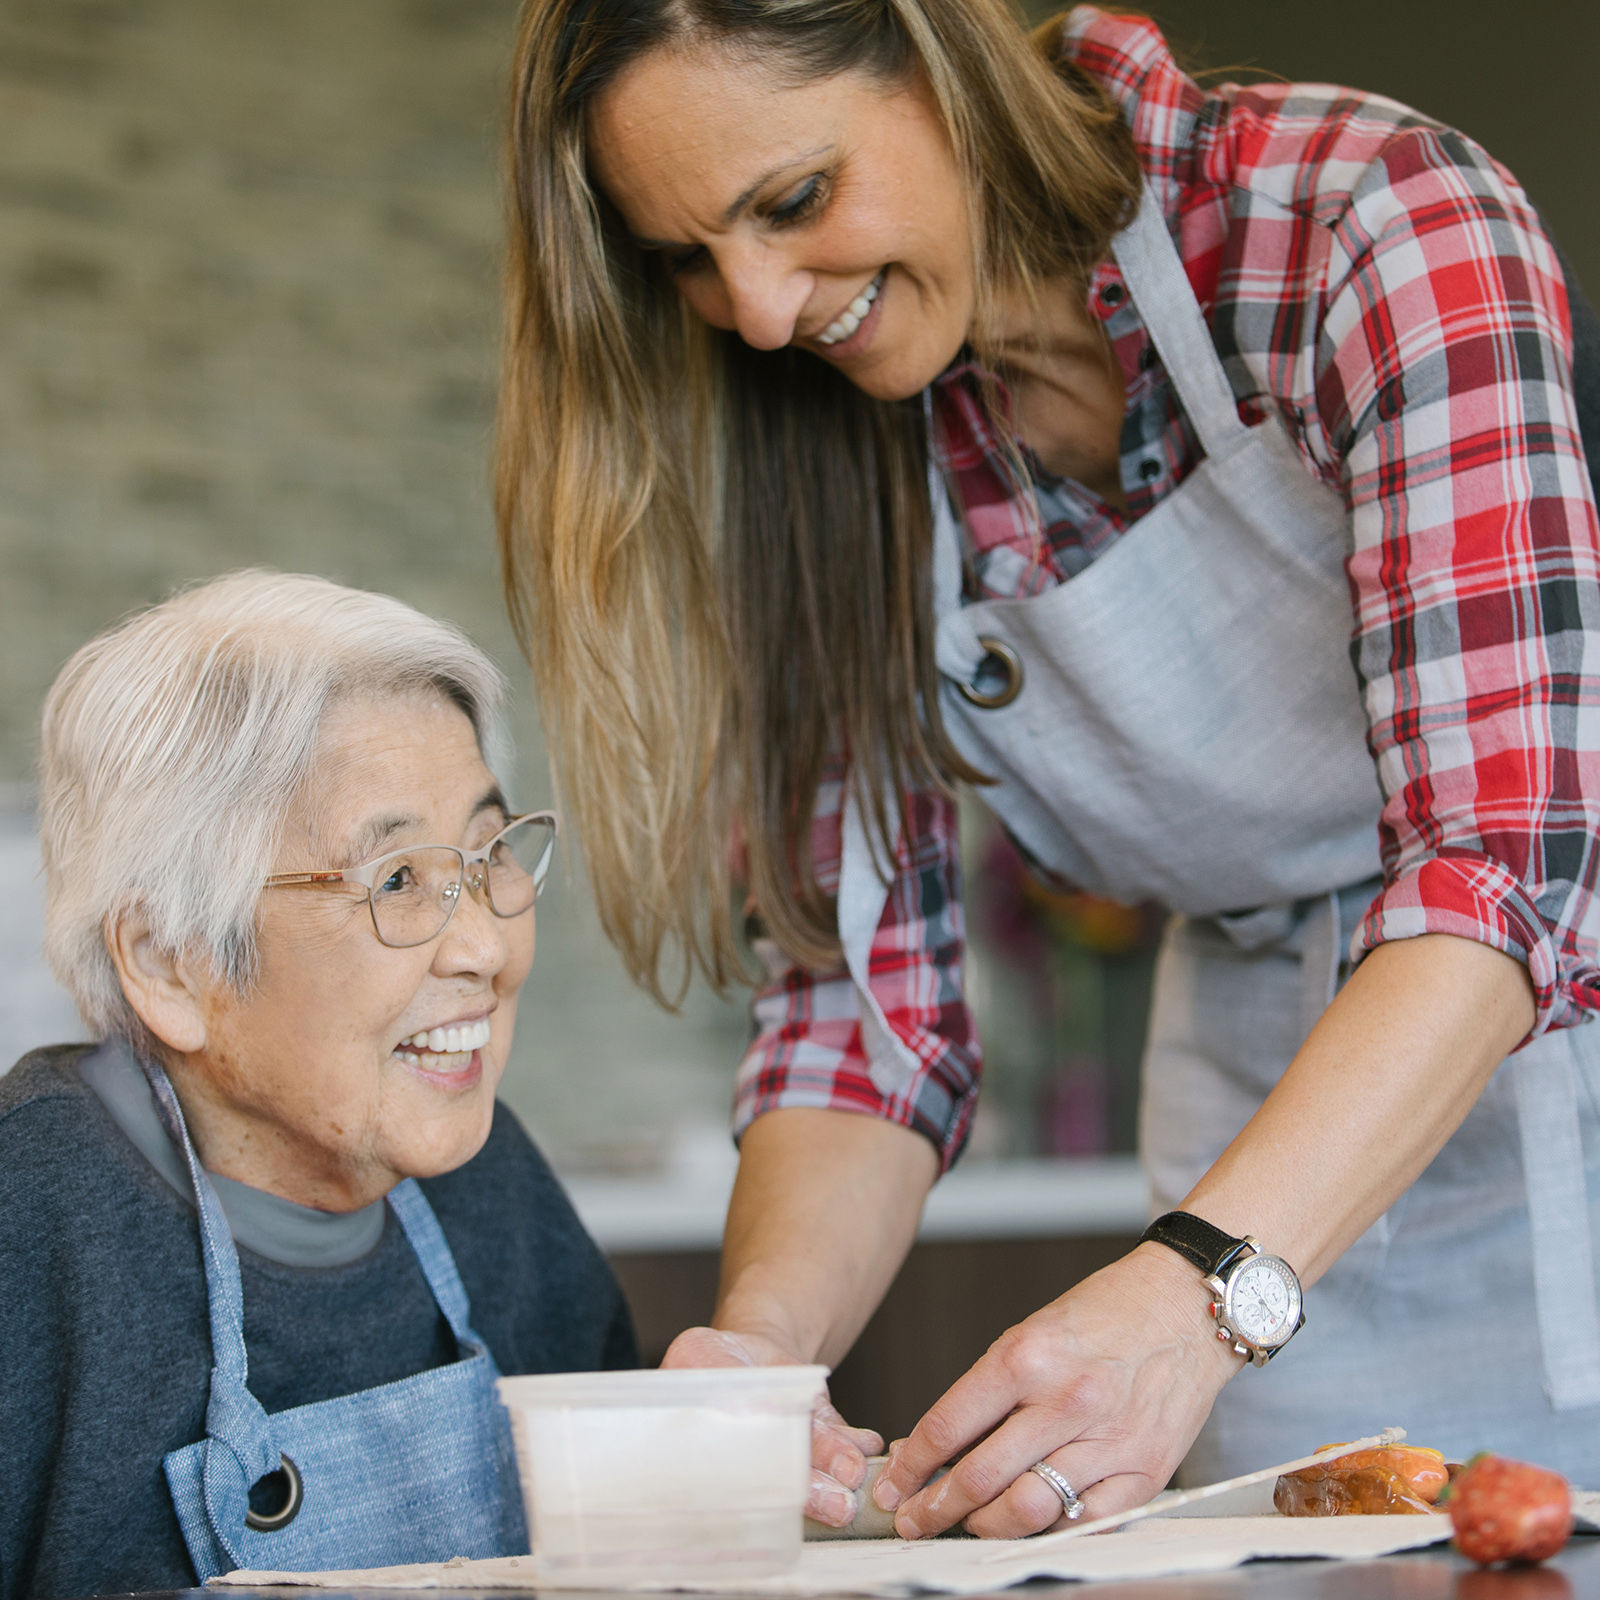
<point x="1383" y="286"/>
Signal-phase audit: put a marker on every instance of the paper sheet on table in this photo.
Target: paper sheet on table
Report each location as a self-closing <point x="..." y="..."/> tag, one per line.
<point x="1193" y="1532"/>
<point x="1159" y="1547"/>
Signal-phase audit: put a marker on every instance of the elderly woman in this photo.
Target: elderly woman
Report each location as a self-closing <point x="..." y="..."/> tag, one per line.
<point x="267" y="1244"/>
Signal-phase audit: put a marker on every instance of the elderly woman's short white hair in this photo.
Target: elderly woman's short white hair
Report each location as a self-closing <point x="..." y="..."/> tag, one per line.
<point x="174" y="745"/>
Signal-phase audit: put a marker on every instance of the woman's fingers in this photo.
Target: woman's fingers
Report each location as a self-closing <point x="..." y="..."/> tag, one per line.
<point x="1031" y="1506"/>
<point x="992" y="1472"/>
<point x="867" y="1440"/>
<point x="840" y="1450"/>
<point x="838" y="1466"/>
<point x="827" y="1500"/>
<point x="1011" y="1373"/>
<point x="1028" y="1503"/>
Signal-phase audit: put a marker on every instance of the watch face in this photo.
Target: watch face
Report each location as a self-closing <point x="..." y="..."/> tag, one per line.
<point x="1263" y="1301"/>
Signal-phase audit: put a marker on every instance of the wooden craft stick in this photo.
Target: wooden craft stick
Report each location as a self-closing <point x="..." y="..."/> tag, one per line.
<point x="1183" y="1497"/>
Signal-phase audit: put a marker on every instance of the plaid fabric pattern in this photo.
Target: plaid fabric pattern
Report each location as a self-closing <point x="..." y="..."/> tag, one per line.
<point x="1381" y="286"/>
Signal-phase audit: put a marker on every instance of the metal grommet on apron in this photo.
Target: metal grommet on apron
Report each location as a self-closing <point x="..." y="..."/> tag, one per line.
<point x="998" y="678"/>
<point x="293" y="1498"/>
<point x="420" y="1469"/>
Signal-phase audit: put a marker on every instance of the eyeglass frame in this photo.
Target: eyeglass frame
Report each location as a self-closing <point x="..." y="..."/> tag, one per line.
<point x="367" y="876"/>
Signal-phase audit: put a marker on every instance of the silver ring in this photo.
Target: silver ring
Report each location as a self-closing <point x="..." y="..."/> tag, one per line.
<point x="1070" y="1503"/>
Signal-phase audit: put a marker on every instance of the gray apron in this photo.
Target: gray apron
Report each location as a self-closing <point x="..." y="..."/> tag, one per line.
<point x="1190" y="730"/>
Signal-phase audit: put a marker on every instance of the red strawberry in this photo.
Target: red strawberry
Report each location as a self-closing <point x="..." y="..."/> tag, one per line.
<point x="1508" y="1511"/>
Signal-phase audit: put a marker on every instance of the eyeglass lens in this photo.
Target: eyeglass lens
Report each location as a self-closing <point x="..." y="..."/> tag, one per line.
<point x="416" y="891"/>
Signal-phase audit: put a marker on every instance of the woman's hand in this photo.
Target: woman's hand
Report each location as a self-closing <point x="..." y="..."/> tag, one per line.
<point x="838" y="1452"/>
<point x="1109" y="1385"/>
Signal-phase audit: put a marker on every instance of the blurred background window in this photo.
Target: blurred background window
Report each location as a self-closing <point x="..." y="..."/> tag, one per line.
<point x="248" y="259"/>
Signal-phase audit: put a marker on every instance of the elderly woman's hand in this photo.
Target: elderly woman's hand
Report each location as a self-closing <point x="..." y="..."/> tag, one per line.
<point x="1109" y="1385"/>
<point x="838" y="1451"/>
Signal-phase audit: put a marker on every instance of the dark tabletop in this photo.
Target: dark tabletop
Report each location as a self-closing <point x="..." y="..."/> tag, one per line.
<point x="1421" y="1575"/>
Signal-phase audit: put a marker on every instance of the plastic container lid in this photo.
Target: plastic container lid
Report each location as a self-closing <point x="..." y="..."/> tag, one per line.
<point x="744" y="1387"/>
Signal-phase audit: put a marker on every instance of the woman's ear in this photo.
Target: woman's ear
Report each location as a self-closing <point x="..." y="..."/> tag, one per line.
<point x="157" y="984"/>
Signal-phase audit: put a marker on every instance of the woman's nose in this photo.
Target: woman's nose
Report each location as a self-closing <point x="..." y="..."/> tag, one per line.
<point x="766" y="295"/>
<point x="474" y="939"/>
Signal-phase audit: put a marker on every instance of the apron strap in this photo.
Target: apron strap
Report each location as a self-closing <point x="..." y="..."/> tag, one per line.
<point x="863" y="878"/>
<point x="863" y="893"/>
<point x="1166" y="300"/>
<point x="957" y="648"/>
<point x="410" y="1205"/>
<point x="234" y="1417"/>
<point x="1558" y="1215"/>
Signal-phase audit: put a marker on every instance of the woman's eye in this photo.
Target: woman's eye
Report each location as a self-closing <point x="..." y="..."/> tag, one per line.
<point x="801" y="204"/>
<point x="398" y="881"/>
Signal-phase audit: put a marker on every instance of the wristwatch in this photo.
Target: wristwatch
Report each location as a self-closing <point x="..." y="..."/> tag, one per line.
<point x="1256" y="1299"/>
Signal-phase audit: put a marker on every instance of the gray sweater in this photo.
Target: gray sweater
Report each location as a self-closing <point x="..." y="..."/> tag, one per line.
<point x="105" y="1353"/>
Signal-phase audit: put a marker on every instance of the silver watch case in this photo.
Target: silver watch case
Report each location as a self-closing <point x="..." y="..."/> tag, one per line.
<point x="1257" y="1303"/>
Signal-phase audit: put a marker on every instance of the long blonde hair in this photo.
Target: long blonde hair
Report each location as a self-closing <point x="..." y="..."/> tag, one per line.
<point x="718" y="560"/>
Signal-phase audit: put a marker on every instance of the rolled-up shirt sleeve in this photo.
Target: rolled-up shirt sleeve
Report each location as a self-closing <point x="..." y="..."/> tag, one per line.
<point x="809" y="1047"/>
<point x="1444" y="384"/>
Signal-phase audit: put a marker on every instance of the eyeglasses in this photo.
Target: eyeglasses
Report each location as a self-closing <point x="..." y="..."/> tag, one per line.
<point x="413" y="893"/>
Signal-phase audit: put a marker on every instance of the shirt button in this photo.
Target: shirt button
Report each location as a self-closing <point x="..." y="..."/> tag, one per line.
<point x="1147" y="358"/>
<point x="1113" y="295"/>
<point x="1150" y="469"/>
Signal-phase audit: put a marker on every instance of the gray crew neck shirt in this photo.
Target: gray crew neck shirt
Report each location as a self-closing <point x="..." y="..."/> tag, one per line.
<point x="281" y="1230"/>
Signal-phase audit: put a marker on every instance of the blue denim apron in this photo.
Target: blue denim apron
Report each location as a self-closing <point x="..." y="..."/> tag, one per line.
<point x="417" y="1470"/>
<point x="1189" y="729"/>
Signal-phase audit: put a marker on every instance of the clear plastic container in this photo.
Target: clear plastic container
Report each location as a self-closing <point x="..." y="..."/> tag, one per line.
<point x="631" y="1475"/>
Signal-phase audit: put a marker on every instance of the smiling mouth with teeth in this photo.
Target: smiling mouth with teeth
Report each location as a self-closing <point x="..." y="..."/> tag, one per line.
<point x="435" y="1042"/>
<point x="854" y="314"/>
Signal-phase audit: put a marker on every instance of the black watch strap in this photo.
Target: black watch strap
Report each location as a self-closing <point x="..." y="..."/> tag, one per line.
<point x="1195" y="1240"/>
